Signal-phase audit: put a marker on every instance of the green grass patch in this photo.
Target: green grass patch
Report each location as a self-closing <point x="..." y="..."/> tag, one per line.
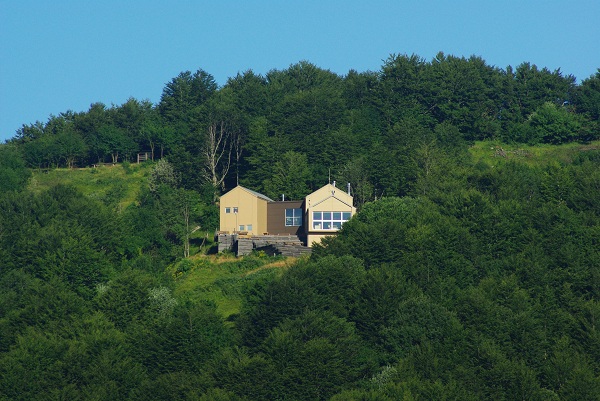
<point x="225" y="280"/>
<point x="496" y="153"/>
<point x="117" y="185"/>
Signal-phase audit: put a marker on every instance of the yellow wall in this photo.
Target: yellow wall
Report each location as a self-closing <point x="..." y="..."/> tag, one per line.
<point x="251" y="211"/>
<point x="312" y="239"/>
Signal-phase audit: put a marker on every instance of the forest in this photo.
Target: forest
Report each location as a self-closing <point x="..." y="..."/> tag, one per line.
<point x="470" y="272"/>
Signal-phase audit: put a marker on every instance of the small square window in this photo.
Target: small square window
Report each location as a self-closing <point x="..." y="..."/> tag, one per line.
<point x="242" y="227"/>
<point x="235" y="210"/>
<point x="337" y="225"/>
<point x="249" y="227"/>
<point x="317" y="225"/>
<point x="316" y="215"/>
<point x="293" y="217"/>
<point x="337" y="215"/>
<point x="227" y="210"/>
<point x="346" y="216"/>
<point x="326" y="215"/>
<point x="326" y="225"/>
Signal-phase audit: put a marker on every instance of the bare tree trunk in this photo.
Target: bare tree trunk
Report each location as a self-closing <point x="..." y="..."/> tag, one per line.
<point x="152" y="146"/>
<point x="238" y="142"/>
<point x="217" y="155"/>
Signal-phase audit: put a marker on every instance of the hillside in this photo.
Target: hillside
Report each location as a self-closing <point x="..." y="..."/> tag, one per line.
<point x="480" y="284"/>
<point x="470" y="271"/>
<point x="223" y="280"/>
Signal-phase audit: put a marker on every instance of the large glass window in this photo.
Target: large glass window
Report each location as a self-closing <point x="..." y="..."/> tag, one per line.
<point x="293" y="217"/>
<point x="329" y="220"/>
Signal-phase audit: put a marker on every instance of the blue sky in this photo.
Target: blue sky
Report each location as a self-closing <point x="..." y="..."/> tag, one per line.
<point x="65" y="55"/>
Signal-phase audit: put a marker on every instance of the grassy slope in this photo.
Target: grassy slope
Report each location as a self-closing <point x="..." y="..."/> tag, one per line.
<point x="221" y="279"/>
<point x="225" y="279"/>
<point x="116" y="185"/>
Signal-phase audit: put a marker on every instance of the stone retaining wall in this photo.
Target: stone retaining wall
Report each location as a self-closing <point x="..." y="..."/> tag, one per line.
<point x="286" y="245"/>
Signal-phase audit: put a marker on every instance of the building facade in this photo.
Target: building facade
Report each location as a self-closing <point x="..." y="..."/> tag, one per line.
<point x="322" y="213"/>
<point x="286" y="218"/>
<point x="326" y="210"/>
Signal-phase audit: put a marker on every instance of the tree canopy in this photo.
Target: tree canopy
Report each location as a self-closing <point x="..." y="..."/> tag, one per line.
<point x="461" y="277"/>
<point x="242" y="132"/>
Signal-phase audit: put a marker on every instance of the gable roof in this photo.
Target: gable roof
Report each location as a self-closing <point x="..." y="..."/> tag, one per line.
<point x="329" y="197"/>
<point x="330" y="191"/>
<point x="257" y="194"/>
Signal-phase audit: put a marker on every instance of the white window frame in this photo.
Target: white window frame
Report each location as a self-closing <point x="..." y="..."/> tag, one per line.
<point x="296" y="217"/>
<point x="329" y="221"/>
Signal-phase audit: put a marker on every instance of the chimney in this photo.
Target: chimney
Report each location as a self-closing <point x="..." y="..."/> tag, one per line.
<point x="334" y="183"/>
<point x="348" y="188"/>
<point x="283" y="197"/>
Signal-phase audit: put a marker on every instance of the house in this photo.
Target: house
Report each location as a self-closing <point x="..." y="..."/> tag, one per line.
<point x="247" y="213"/>
<point x="243" y="211"/>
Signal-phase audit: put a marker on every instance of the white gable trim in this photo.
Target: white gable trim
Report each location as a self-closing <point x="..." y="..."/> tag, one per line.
<point x="330" y="196"/>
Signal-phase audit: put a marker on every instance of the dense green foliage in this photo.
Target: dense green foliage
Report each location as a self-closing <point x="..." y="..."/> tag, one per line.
<point x="13" y="174"/>
<point x="291" y="130"/>
<point x="461" y="277"/>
